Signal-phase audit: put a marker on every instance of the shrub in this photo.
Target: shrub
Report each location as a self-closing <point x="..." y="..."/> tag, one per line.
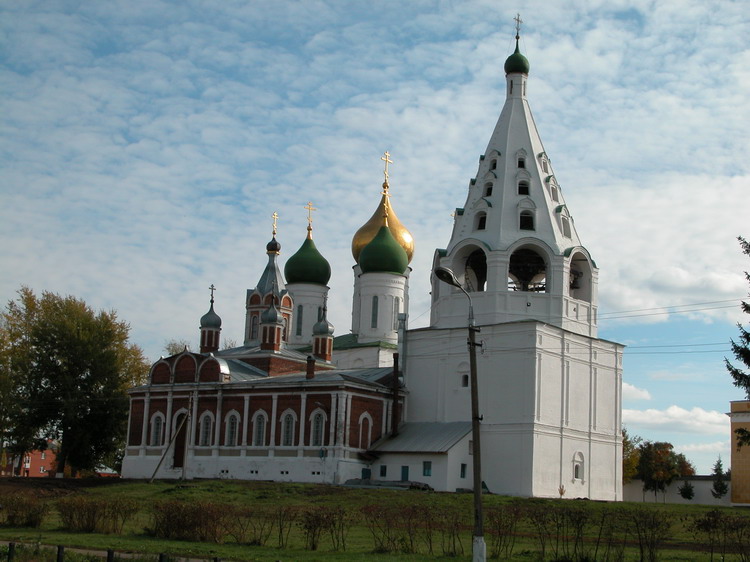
<point x="95" y="515"/>
<point x="23" y="510"/>
<point x="202" y="521"/>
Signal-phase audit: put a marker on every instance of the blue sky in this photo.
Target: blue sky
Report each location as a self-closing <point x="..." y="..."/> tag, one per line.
<point x="145" y="144"/>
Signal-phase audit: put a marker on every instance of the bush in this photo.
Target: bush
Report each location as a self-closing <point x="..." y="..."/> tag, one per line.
<point x="202" y="521"/>
<point x="22" y="510"/>
<point x="94" y="515"/>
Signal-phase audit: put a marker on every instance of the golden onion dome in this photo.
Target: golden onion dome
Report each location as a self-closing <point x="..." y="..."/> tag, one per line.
<point x="367" y="231"/>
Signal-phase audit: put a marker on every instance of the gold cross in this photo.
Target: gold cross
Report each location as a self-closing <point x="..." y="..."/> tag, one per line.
<point x="518" y="21"/>
<point x="310" y="209"/>
<point x="212" y="289"/>
<point x="275" y="217"/>
<point x="387" y="159"/>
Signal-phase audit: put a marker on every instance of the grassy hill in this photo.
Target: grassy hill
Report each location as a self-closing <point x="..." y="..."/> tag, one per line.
<point x="285" y="521"/>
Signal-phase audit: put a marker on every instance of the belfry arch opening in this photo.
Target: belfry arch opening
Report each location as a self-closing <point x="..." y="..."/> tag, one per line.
<point x="527" y="271"/>
<point x="470" y="267"/>
<point x="580" y="279"/>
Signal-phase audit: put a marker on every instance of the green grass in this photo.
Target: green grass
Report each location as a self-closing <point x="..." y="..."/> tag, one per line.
<point x="683" y="544"/>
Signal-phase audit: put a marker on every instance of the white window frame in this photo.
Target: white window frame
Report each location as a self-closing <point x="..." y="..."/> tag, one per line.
<point x="368" y="417"/>
<point x="229" y="439"/>
<point x="288" y="429"/>
<point x="316" y="414"/>
<point x="156" y="435"/>
<point x="260" y="421"/>
<point x="206" y="430"/>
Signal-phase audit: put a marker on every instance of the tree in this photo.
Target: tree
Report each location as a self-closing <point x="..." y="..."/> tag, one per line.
<point x="659" y="466"/>
<point x="173" y="347"/>
<point x="720" y="487"/>
<point x="687" y="490"/>
<point x="741" y="351"/>
<point x="71" y="368"/>
<point x="630" y="456"/>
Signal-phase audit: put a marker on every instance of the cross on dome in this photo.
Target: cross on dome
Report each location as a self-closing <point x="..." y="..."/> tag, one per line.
<point x="387" y="159"/>
<point x="212" y="289"/>
<point x="275" y="217"/>
<point x="518" y="21"/>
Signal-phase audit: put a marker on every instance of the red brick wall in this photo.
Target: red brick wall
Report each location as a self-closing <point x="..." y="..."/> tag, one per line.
<point x="160" y="374"/>
<point x="136" y="422"/>
<point x="210" y="371"/>
<point x="185" y="369"/>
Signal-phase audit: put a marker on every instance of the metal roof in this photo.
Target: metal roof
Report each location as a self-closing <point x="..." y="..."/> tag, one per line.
<point x="425" y="437"/>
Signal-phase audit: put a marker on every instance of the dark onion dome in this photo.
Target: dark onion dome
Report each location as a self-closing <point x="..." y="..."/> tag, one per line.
<point x="210" y="319"/>
<point x="271" y="315"/>
<point x="273" y="247"/>
<point x="516" y="62"/>
<point x="307" y="265"/>
<point x="384" y="254"/>
<point x="323" y="328"/>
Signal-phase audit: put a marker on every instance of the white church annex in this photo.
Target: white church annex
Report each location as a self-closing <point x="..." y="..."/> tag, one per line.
<point x="295" y="403"/>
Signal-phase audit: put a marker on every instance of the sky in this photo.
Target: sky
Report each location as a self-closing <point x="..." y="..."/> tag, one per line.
<point x="144" y="146"/>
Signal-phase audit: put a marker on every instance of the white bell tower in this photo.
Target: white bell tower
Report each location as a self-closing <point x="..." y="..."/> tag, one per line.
<point x="514" y="245"/>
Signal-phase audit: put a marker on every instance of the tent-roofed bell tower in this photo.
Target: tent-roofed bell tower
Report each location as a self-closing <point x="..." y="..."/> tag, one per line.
<point x="514" y="245"/>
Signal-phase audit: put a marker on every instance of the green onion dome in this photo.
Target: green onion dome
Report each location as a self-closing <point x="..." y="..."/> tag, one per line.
<point x="383" y="254"/>
<point x="210" y="319"/>
<point x="517" y="62"/>
<point x="307" y="265"/>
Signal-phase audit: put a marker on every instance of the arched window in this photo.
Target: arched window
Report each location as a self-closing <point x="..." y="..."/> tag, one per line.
<point x="157" y="430"/>
<point x="488" y="189"/>
<point x="396" y="310"/>
<point x="565" y="226"/>
<point x="523" y="187"/>
<point x="480" y="221"/>
<point x="206" y="427"/>
<point x="259" y="429"/>
<point x="365" y="430"/>
<point x="254" y="327"/>
<point x="493" y="165"/>
<point x="374" y="316"/>
<point x="232" y="427"/>
<point x="287" y="430"/>
<point x="299" y="320"/>
<point x="578" y="467"/>
<point x="318" y="422"/>
<point x="526" y="220"/>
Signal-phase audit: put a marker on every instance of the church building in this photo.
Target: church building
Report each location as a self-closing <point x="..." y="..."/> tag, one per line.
<point x="386" y="403"/>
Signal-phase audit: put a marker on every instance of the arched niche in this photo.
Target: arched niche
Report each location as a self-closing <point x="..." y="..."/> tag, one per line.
<point x="580" y="284"/>
<point x="527" y="270"/>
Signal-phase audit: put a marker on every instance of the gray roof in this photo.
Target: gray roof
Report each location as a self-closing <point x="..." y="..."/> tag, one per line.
<point x="374" y="376"/>
<point x="239" y="370"/>
<point x="425" y="437"/>
<point x="249" y="351"/>
<point x="271" y="279"/>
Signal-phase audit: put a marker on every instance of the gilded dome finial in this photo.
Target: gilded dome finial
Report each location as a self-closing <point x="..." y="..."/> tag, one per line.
<point x="310" y="209"/>
<point x="275" y="217"/>
<point x="273" y="247"/>
<point x="387" y="159"/>
<point x="383" y="215"/>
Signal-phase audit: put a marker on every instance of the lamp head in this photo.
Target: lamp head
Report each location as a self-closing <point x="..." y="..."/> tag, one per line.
<point x="446" y="276"/>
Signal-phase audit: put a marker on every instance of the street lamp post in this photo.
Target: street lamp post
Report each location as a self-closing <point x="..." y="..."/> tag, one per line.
<point x="479" y="549"/>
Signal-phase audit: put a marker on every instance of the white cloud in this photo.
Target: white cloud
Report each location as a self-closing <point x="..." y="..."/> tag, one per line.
<point x="713" y="447"/>
<point x="676" y="419"/>
<point x="630" y="392"/>
<point x="143" y="149"/>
